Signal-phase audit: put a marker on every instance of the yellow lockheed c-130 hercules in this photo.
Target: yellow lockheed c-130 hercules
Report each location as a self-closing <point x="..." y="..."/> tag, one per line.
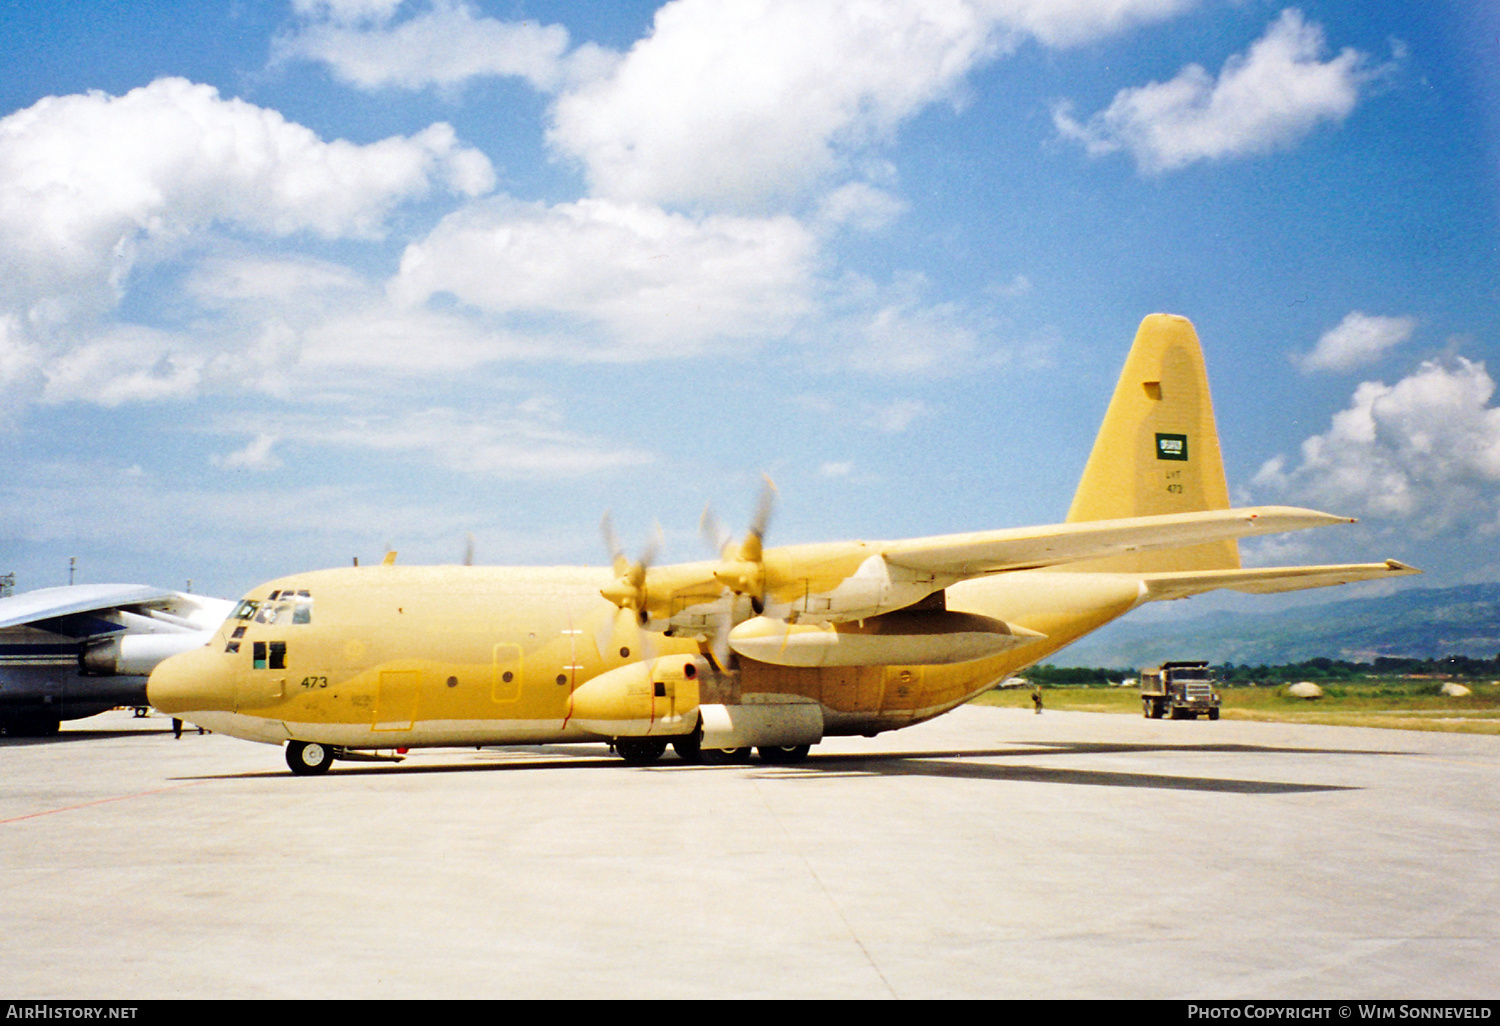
<point x="766" y="648"/>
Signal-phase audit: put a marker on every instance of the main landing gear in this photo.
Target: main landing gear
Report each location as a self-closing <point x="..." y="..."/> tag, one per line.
<point x="644" y="751"/>
<point x="307" y="758"/>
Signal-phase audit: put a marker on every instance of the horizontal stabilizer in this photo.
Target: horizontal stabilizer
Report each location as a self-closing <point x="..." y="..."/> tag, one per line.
<point x="1270" y="579"/>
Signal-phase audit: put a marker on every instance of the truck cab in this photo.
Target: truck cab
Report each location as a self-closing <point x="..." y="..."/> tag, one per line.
<point x="1183" y="690"/>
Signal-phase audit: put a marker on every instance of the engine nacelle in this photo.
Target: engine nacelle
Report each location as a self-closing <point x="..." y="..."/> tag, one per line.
<point x="136" y="653"/>
<point x="653" y="698"/>
<point x="903" y="638"/>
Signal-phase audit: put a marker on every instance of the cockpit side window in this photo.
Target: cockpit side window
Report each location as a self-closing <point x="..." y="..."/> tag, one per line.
<point x="269" y="655"/>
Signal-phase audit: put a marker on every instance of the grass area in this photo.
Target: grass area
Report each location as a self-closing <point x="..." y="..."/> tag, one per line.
<point x="1396" y="703"/>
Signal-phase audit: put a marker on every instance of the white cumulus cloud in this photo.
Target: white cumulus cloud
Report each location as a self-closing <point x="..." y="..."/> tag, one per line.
<point x="256" y="455"/>
<point x="1424" y="451"/>
<point x="1265" y="99"/>
<point x="444" y="45"/>
<point x="88" y="182"/>
<point x="739" y="103"/>
<point x="1358" y="339"/>
<point x="655" y="281"/>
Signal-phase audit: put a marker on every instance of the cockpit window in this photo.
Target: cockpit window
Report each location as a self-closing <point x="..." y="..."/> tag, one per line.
<point x="288" y="609"/>
<point x="279" y="607"/>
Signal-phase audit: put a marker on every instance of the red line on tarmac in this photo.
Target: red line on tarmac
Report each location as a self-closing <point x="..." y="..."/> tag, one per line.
<point x="84" y="805"/>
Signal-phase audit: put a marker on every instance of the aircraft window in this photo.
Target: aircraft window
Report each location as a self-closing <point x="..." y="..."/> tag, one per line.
<point x="233" y="646"/>
<point x="303" y="611"/>
<point x="239" y="632"/>
<point x="270" y="655"/>
<point x="281" y="611"/>
<point x="246" y="609"/>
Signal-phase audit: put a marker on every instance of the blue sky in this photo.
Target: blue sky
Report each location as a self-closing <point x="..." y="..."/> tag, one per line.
<point x="283" y="284"/>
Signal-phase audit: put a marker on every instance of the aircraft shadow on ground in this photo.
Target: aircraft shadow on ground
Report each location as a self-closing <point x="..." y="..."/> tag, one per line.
<point x="69" y="736"/>
<point x="953" y="765"/>
<point x="948" y="764"/>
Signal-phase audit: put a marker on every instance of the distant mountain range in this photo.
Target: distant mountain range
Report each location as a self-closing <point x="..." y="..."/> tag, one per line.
<point x="1424" y="623"/>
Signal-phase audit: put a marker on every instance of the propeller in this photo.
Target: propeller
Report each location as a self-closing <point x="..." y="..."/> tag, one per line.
<point x="628" y="589"/>
<point x="742" y="568"/>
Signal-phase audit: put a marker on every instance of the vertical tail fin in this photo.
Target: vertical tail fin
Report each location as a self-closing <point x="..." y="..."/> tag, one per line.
<point x="1158" y="449"/>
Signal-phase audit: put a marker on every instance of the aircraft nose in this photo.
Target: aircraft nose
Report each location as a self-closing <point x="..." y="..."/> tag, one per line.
<point x="195" y="681"/>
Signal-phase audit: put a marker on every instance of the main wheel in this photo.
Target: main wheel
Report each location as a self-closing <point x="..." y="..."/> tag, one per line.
<point x="307" y="758"/>
<point x="689" y="748"/>
<point x="640" y="751"/>
<point x="726" y="756"/>
<point x="1213" y="714"/>
<point x="783" y="755"/>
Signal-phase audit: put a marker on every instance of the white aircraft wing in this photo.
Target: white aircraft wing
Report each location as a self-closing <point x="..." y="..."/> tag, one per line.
<point x="52" y="603"/>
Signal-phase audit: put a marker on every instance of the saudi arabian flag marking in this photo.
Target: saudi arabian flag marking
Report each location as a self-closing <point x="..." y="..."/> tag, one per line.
<point x="1171" y="447"/>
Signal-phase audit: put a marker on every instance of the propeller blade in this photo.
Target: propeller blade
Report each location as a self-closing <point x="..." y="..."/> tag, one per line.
<point x="763" y="508"/>
<point x="713" y="533"/>
<point x="612" y="545"/>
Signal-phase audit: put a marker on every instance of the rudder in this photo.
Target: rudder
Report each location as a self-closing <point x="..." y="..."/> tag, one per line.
<point x="1158" y="449"/>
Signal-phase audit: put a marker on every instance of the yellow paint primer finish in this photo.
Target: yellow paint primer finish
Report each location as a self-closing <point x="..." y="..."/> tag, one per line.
<point x="393" y="657"/>
<point x="1158" y="449"/>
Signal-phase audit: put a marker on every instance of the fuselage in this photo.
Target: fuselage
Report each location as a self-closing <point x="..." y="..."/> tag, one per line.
<point x="395" y="657"/>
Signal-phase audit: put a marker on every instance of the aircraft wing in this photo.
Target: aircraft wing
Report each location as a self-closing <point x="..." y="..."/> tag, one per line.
<point x="1028" y="548"/>
<point x="844" y="581"/>
<point x="1270" y="579"/>
<point x="52" y="603"/>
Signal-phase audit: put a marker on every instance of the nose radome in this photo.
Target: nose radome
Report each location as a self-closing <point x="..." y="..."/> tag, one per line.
<point x="195" y="681"/>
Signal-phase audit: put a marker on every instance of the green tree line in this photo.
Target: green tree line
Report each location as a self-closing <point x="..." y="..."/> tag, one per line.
<point x="1320" y="669"/>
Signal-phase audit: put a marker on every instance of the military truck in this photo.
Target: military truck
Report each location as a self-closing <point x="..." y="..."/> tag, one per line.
<point x="1182" y="690"/>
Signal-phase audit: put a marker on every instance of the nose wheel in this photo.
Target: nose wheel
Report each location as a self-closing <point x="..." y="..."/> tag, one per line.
<point x="307" y="758"/>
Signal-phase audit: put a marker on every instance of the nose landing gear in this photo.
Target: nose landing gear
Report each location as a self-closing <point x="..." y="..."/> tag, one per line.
<point x="307" y="758"/>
